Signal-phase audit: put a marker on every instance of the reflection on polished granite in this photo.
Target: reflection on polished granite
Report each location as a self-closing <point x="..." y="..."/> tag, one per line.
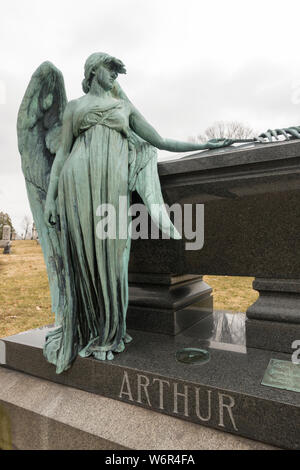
<point x="222" y="330"/>
<point x="231" y="364"/>
<point x="224" y="393"/>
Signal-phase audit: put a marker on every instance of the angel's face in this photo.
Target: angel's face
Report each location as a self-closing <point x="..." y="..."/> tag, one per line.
<point x="106" y="76"/>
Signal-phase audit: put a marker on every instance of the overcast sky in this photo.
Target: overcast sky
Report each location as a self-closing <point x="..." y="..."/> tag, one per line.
<point x="189" y="63"/>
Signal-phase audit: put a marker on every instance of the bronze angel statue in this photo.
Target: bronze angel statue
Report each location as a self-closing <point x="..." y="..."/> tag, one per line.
<point x="76" y="156"/>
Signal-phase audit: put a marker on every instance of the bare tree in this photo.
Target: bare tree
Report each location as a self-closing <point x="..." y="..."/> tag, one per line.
<point x="26" y="225"/>
<point x="227" y="130"/>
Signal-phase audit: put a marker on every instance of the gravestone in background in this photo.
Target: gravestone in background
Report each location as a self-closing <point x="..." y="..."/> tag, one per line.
<point x="5" y="242"/>
<point x="34" y="234"/>
<point x="6" y="232"/>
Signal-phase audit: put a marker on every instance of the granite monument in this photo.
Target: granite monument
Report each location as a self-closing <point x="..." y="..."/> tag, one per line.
<point x="104" y="149"/>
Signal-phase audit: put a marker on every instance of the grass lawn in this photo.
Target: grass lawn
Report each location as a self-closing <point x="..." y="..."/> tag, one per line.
<point x="24" y="292"/>
<point x="232" y="293"/>
<point x="25" y="299"/>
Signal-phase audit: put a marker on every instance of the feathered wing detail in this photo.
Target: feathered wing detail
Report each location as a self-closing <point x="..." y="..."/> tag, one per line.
<point x="39" y="132"/>
<point x="144" y="178"/>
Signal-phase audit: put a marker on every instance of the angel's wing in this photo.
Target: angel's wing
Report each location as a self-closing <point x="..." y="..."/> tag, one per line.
<point x="144" y="178"/>
<point x="39" y="131"/>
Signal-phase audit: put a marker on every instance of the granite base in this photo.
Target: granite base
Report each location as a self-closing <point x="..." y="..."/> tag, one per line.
<point x="225" y="394"/>
<point x="42" y="415"/>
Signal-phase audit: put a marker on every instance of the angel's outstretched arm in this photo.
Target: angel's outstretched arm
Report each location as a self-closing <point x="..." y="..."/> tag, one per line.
<point x="61" y="156"/>
<point x="142" y="128"/>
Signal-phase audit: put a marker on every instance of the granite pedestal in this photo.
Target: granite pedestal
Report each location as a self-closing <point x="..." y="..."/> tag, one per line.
<point x="42" y="415"/>
<point x="252" y="223"/>
<point x="164" y="303"/>
<point x="274" y="319"/>
<point x="224" y="394"/>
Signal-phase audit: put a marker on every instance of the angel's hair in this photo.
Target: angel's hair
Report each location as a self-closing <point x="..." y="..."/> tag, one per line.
<point x="93" y="62"/>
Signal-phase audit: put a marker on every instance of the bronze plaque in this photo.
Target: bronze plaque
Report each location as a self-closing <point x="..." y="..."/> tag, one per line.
<point x="282" y="374"/>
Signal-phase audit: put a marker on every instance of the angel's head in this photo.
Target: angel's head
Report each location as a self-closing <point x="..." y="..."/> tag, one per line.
<point x="103" y="68"/>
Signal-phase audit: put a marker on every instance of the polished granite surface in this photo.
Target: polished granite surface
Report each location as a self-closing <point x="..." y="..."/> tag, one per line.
<point x="223" y="330"/>
<point x="231" y="365"/>
<point x="224" y="393"/>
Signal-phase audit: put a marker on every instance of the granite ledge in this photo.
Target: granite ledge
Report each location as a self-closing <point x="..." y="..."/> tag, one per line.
<point x="102" y="422"/>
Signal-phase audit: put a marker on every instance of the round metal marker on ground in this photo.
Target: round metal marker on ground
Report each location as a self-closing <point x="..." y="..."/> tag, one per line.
<point x="192" y="356"/>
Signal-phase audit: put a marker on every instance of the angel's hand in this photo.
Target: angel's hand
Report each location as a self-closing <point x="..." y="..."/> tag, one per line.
<point x="219" y="143"/>
<point x="287" y="132"/>
<point x="50" y="213"/>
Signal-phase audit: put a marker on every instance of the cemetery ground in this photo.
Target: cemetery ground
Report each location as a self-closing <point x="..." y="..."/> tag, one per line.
<point x="25" y="298"/>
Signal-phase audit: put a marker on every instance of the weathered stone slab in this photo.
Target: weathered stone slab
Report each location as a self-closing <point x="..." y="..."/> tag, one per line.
<point x="47" y="418"/>
<point x="225" y="393"/>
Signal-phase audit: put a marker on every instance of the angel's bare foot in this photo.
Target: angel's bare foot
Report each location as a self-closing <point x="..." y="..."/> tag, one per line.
<point x="120" y="348"/>
<point x="103" y="355"/>
<point x="127" y="338"/>
<point x="100" y="355"/>
<point x="109" y="356"/>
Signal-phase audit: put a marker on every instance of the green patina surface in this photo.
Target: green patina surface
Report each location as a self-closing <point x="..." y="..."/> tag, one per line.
<point x="76" y="157"/>
<point x="282" y="374"/>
